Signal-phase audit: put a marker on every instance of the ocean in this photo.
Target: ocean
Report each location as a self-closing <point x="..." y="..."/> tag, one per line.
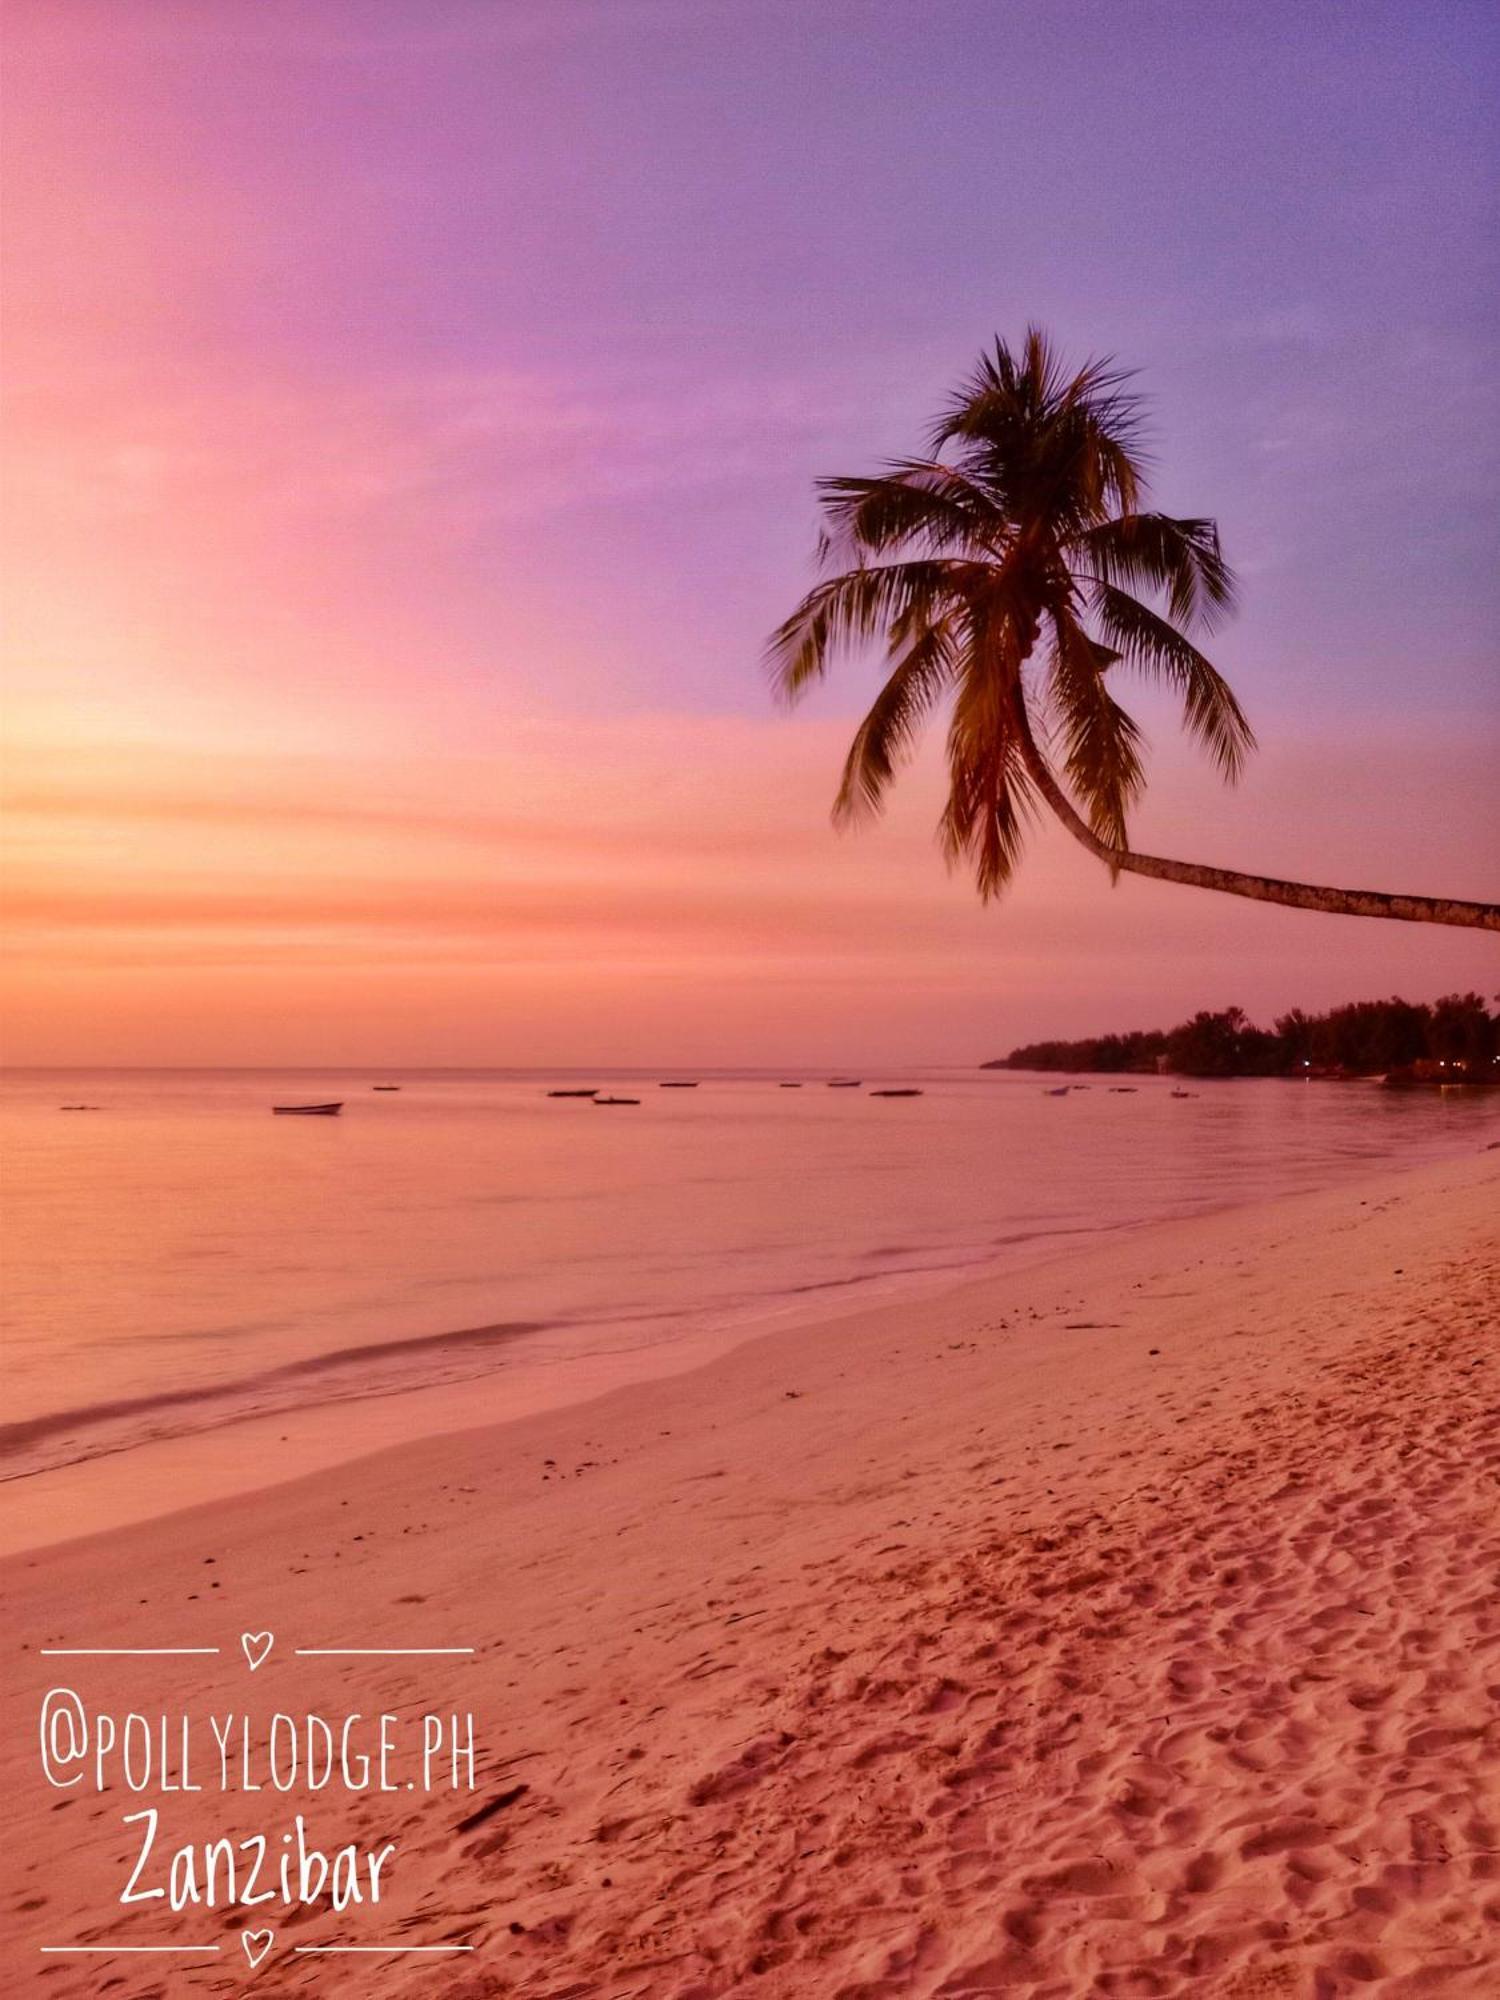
<point x="178" y="1262"/>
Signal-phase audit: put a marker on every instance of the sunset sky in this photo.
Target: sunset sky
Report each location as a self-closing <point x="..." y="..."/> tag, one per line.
<point x="412" y="414"/>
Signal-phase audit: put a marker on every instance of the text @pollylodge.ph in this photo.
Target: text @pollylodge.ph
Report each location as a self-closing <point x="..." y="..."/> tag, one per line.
<point x="153" y="1758"/>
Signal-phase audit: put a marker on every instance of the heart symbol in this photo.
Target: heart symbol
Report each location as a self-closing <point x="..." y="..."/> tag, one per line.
<point x="257" y="1943"/>
<point x="256" y="1645"/>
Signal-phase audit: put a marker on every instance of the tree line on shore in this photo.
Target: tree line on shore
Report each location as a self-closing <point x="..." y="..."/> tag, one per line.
<point x="1365" y="1038"/>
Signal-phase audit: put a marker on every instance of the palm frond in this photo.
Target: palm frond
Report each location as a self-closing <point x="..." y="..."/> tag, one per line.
<point x="1181" y="558"/>
<point x="889" y="731"/>
<point x="991" y="799"/>
<point x="1102" y="743"/>
<point x="1103" y="425"/>
<point x="1023" y="427"/>
<point x="1152" y="646"/>
<point x="850" y="610"/>
<point x="919" y="504"/>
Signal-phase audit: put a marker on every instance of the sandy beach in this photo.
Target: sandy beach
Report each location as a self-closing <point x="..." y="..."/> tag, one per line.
<point x="1124" y="1625"/>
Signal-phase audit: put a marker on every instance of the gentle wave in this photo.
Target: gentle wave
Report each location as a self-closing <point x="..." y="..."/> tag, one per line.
<point x="66" y="1422"/>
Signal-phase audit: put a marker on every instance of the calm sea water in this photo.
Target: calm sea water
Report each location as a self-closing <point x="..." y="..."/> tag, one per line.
<point x="178" y="1259"/>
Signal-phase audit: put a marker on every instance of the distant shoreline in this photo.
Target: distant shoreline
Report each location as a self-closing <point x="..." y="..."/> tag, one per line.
<point x="1452" y="1040"/>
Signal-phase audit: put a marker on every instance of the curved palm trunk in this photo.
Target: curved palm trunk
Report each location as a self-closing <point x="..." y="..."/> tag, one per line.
<point x="1260" y="888"/>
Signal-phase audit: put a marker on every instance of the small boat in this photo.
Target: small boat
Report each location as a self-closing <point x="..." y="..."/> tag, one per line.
<point x="78" y="1107"/>
<point x="617" y="1100"/>
<point x="845" y="1082"/>
<point x="1123" y="1089"/>
<point x="1184" y="1093"/>
<point x="1061" y="1090"/>
<point x="895" y="1093"/>
<point x="789" y="1086"/>
<point x="385" y="1086"/>
<point x="677" y="1086"/>
<point x="306" y="1110"/>
<point x="574" y="1093"/>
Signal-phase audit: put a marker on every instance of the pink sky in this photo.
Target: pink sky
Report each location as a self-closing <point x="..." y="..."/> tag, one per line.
<point x="402" y="475"/>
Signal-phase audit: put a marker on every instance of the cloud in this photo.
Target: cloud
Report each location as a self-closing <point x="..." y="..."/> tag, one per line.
<point x="483" y="445"/>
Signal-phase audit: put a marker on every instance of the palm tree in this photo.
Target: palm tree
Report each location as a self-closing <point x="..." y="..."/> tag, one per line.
<point x="1009" y="572"/>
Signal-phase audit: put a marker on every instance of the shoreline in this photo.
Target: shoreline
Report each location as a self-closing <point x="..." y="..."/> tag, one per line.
<point x="1078" y="1621"/>
<point x="234" y="1454"/>
<point x="748" y="1339"/>
<point x="221" y="1462"/>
